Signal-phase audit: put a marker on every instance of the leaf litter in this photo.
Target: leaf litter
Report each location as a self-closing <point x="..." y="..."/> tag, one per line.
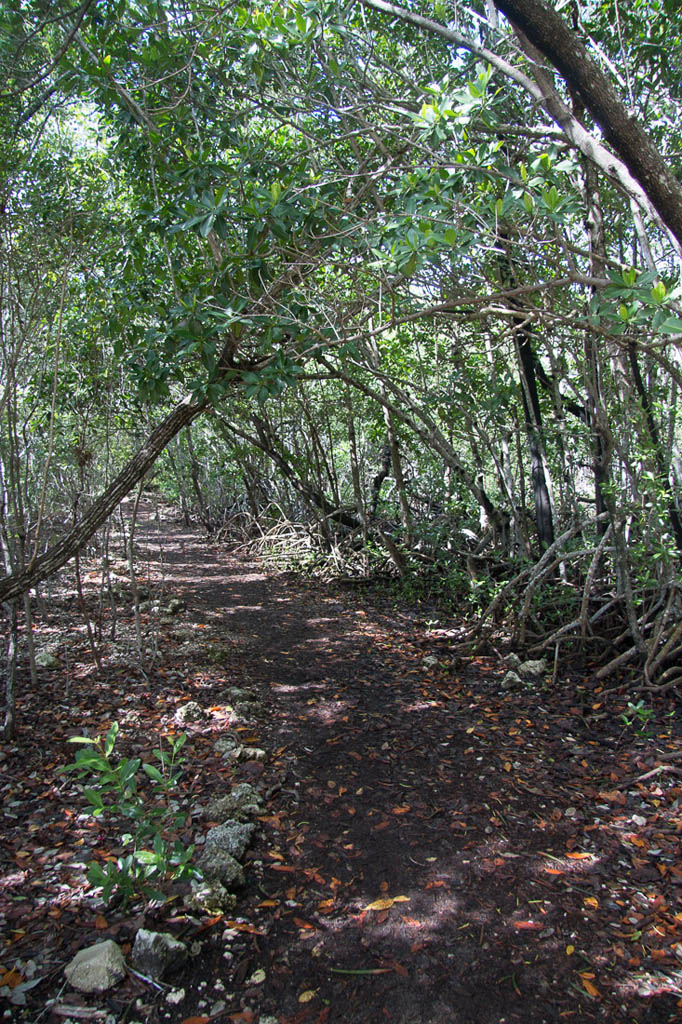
<point x="532" y="838"/>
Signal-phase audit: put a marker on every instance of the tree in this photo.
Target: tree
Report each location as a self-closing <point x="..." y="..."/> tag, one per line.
<point x="272" y="206"/>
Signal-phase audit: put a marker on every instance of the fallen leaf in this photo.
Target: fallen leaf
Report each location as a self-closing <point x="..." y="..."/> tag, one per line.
<point x="11" y="979"/>
<point x="300" y="923"/>
<point x="241" y="926"/>
<point x="591" y="989"/>
<point x="387" y="902"/>
<point x="306" y="996"/>
<point x="384" y="904"/>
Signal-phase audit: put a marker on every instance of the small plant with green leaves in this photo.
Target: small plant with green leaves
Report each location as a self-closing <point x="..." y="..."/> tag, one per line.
<point x="150" y="858"/>
<point x="639" y="715"/>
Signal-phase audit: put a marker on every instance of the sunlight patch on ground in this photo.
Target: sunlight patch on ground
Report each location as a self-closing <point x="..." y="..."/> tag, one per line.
<point x="296" y="688"/>
<point x="578" y="863"/>
<point x="329" y="711"/>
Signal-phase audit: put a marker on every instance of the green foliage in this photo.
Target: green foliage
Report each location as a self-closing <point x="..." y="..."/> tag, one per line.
<point x="639" y="715"/>
<point x="152" y="858"/>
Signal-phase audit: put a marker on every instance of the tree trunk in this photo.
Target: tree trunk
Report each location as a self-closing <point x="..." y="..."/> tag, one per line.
<point x="548" y="31"/>
<point x="397" y="467"/>
<point x="655" y="439"/>
<point x="204" y="514"/>
<point x="60" y="553"/>
<point x="531" y="407"/>
<point x="10" y="679"/>
<point x="354" y="465"/>
<point x="378" y="480"/>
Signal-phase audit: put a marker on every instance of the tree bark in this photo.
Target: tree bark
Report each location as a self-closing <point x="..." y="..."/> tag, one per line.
<point x="547" y="31"/>
<point x="60" y="553"/>
<point x="655" y="438"/>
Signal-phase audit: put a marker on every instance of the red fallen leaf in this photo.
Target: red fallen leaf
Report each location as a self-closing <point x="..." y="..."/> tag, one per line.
<point x="402" y="809"/>
<point x="324" y="1014"/>
<point x="380" y="826"/>
<point x="195" y="1020"/>
<point x="300" y="923"/>
<point x="281" y="867"/>
<point x="579" y="855"/>
<point x="529" y="926"/>
<point x="101" y="922"/>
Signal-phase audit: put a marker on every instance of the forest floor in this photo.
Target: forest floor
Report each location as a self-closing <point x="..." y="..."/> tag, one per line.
<point x="432" y="849"/>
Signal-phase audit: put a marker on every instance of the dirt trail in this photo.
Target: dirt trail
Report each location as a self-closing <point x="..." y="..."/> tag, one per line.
<point x="425" y="855"/>
<point x="429" y="796"/>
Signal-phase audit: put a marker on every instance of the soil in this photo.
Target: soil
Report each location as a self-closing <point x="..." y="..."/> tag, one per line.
<point x="434" y="848"/>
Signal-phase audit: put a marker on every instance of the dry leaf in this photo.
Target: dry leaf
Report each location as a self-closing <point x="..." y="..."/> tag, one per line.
<point x="591" y="989"/>
<point x="300" y="923"/>
<point x="383" y="904"/>
<point x="387" y="902"/>
<point x="306" y="996"/>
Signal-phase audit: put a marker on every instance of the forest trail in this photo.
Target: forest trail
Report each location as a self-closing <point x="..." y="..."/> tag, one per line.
<point x="433" y="848"/>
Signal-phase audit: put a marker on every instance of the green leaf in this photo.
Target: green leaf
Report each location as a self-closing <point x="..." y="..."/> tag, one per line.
<point x="551" y="199"/>
<point x="152" y="772"/>
<point x="528" y="202"/>
<point x="110" y="739"/>
<point x="658" y="292"/>
<point x="673" y="325"/>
